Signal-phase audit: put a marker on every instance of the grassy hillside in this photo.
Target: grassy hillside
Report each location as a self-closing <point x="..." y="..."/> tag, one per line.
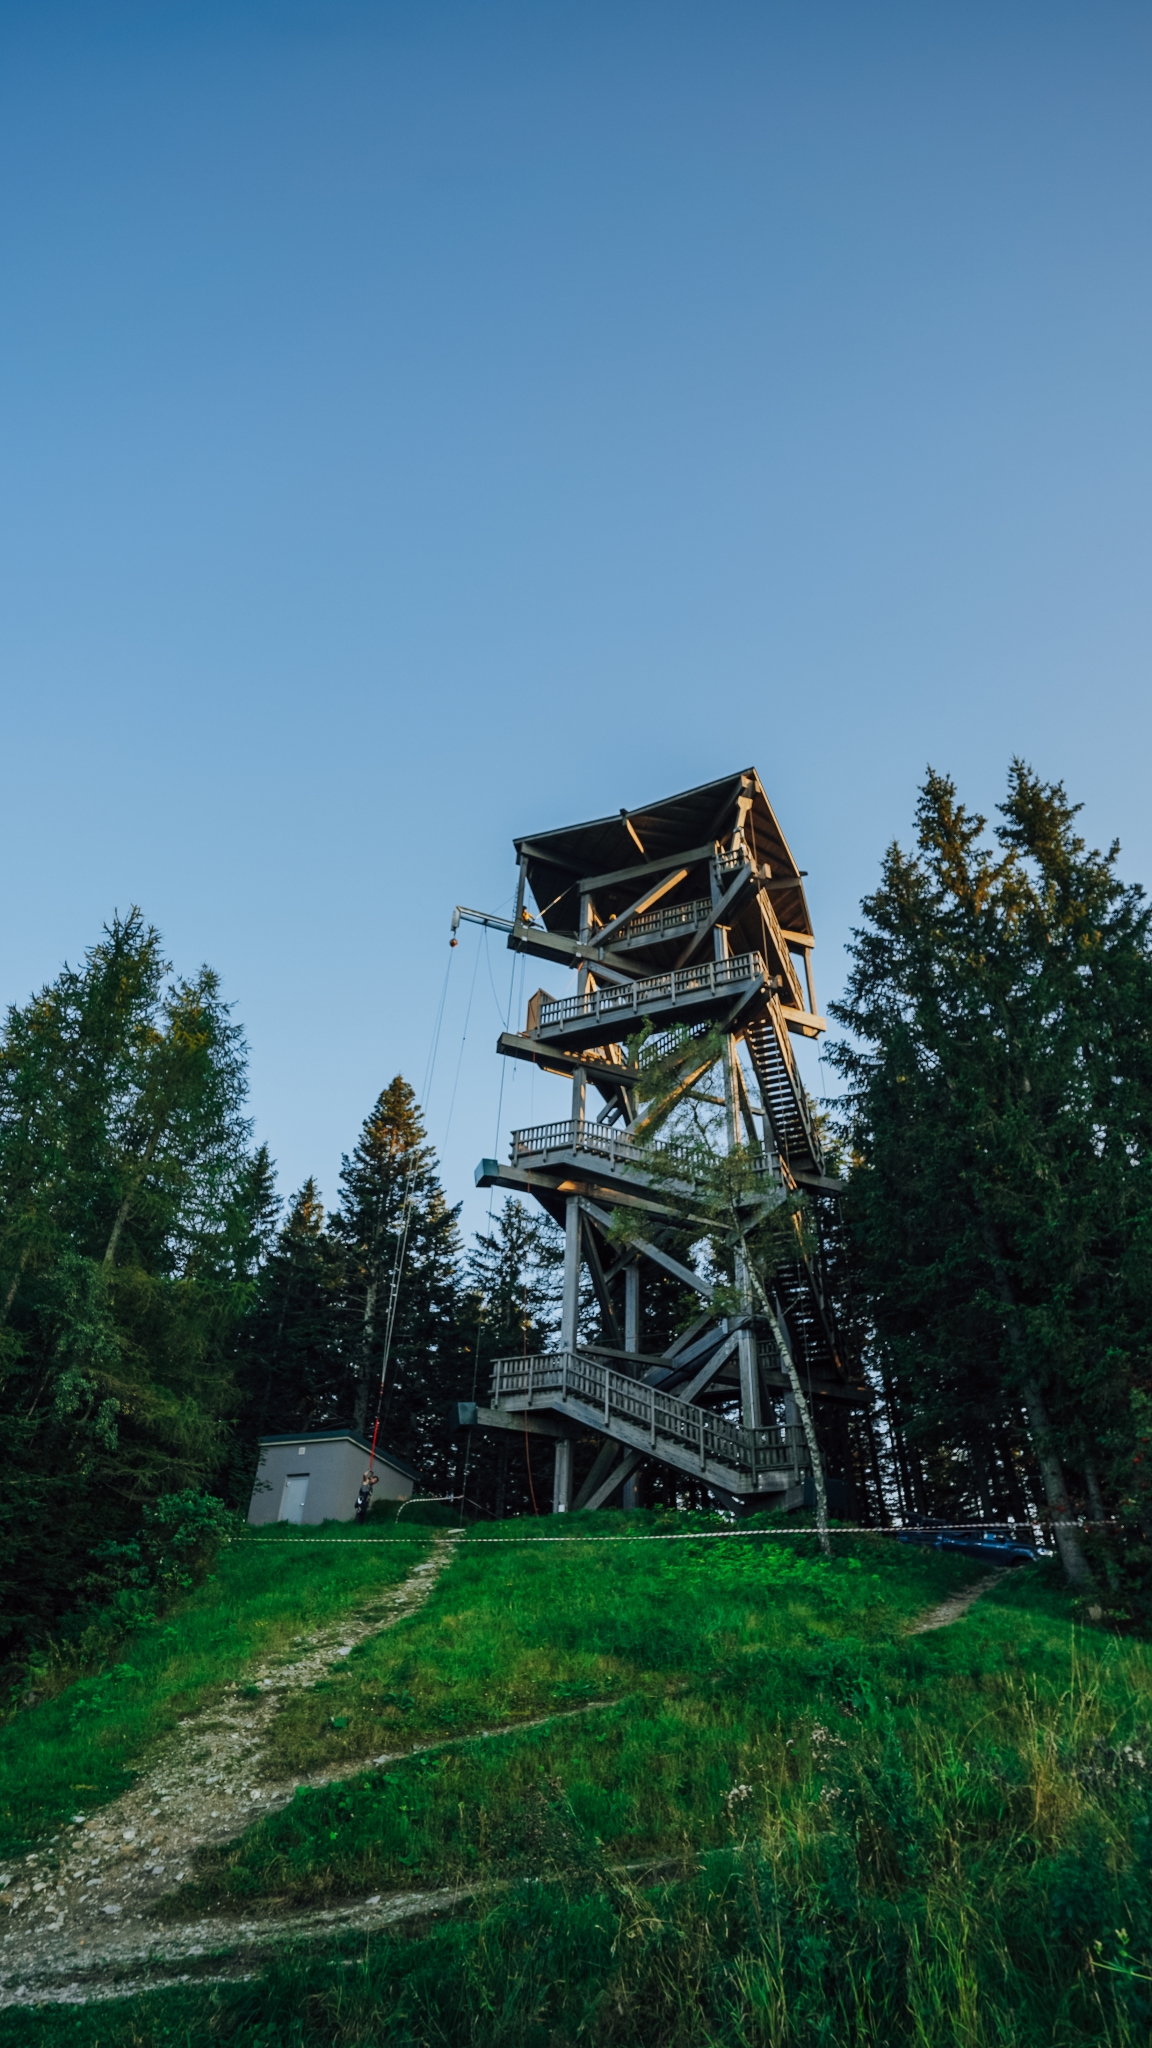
<point x="79" y="1749"/>
<point x="730" y="1799"/>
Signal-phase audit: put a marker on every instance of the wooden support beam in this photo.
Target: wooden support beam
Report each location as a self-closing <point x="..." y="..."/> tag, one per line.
<point x="514" y="1045"/>
<point x="616" y="1477"/>
<point x="653" y="1251"/>
<point x="720" y="908"/>
<point x="562" y="1477"/>
<point x="803" y="1021"/>
<point x="676" y="1094"/>
<point x="603" y="1462"/>
<point x="637" y="1358"/>
<point x="642" y="903"/>
<point x="687" y="1337"/>
<point x="497" y="1418"/>
<point x="535" y="852"/>
<point x="710" y="1368"/>
<point x="690" y="859"/>
<point x="612" y="1327"/>
<point x="566" y="952"/>
<point x="570" y="1298"/>
<point x="633" y="834"/>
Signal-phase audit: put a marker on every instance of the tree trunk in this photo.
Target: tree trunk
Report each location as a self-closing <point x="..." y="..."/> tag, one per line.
<point x="123" y="1212"/>
<point x="1095" y="1497"/>
<point x="1072" y="1557"/>
<point x="1055" y="1493"/>
<point x="10" y="1297"/>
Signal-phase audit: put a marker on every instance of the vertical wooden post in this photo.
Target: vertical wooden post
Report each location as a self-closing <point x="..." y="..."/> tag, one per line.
<point x="632" y="1306"/>
<point x="751" y="1400"/>
<point x="562" y="1477"/>
<point x="570" y="1304"/>
<point x="579" y="1084"/>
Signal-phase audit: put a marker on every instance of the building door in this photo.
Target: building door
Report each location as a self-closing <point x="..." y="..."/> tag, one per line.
<point x="292" y="1504"/>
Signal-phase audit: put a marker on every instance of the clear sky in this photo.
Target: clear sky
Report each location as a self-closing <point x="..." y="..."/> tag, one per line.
<point x="421" y="423"/>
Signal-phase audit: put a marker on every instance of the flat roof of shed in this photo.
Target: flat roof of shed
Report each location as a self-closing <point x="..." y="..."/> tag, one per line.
<point x="341" y="1436"/>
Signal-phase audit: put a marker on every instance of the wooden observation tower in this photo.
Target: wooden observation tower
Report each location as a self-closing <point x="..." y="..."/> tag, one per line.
<point x="688" y="916"/>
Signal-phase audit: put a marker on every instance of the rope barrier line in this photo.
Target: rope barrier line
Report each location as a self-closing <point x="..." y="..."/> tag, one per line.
<point x="676" y="1536"/>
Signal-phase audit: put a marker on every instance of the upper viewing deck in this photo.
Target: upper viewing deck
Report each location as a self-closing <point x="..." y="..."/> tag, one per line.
<point x="645" y="894"/>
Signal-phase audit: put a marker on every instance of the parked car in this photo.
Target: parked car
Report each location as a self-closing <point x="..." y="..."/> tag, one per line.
<point x="993" y="1547"/>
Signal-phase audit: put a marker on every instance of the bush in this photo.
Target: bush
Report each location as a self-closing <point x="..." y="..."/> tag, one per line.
<point x="133" y="1583"/>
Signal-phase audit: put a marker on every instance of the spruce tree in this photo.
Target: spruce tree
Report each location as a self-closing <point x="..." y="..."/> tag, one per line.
<point x="512" y="1273"/>
<point x="400" y="1247"/>
<point x="290" y="1359"/>
<point x="1000" y="1112"/>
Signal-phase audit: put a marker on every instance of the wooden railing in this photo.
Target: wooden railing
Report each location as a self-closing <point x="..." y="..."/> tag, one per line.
<point x="639" y="1414"/>
<point x="603" y="1141"/>
<point x="606" y="1141"/>
<point x="653" y="924"/>
<point x="707" y="977"/>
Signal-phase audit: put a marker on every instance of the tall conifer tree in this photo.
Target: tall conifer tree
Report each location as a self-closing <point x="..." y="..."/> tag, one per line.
<point x="129" y="1206"/>
<point x="1000" y="1078"/>
<point x="291" y="1360"/>
<point x="393" y="1225"/>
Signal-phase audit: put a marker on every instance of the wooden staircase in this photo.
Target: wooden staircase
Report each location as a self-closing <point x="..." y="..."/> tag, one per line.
<point x="644" y="1419"/>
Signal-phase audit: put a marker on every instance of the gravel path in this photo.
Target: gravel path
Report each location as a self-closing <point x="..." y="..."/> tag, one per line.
<point x="79" y="1903"/>
<point x="950" y="1610"/>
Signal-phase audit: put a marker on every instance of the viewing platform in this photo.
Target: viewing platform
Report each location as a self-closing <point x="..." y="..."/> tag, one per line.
<point x="726" y="990"/>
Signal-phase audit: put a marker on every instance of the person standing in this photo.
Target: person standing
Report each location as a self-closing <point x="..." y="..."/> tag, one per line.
<point x="364" y="1497"/>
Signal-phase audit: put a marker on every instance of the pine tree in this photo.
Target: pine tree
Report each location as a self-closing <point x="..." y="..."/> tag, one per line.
<point x="400" y="1248"/>
<point x="290" y="1360"/>
<point x="513" y="1272"/>
<point x="1000" y="1111"/>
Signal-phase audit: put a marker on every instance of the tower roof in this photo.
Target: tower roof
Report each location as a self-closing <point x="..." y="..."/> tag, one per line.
<point x="601" y="854"/>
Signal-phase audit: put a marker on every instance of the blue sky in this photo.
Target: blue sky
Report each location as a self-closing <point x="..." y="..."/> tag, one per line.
<point x="425" y="423"/>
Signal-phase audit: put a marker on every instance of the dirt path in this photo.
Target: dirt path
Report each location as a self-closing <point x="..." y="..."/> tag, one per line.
<point x="87" y="1966"/>
<point x="82" y="1904"/>
<point x="950" y="1610"/>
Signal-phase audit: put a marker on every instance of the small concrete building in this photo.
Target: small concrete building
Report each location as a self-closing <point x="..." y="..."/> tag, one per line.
<point x="316" y="1477"/>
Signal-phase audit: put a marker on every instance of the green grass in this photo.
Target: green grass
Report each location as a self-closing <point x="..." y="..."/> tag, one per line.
<point x="79" y="1749"/>
<point x="795" y="1826"/>
<point x="511" y="1633"/>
